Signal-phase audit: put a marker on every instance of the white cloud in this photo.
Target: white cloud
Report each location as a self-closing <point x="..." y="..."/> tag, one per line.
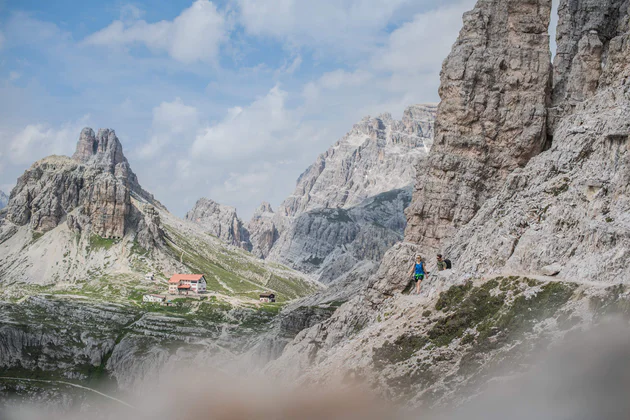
<point x="415" y="48"/>
<point x="195" y="35"/>
<point x="14" y="75"/>
<point x="339" y="24"/>
<point x="261" y="127"/>
<point x="130" y="12"/>
<point x="171" y="122"/>
<point x="37" y="141"/>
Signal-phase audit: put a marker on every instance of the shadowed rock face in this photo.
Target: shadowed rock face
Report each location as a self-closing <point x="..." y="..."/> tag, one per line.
<point x="92" y="190"/>
<point x="331" y="242"/>
<point x="220" y="221"/>
<point x="495" y="87"/>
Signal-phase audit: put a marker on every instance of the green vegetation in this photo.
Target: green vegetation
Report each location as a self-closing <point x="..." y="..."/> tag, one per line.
<point x="400" y="350"/>
<point x="37" y="235"/>
<point x="478" y="305"/>
<point x="97" y="243"/>
<point x="234" y="273"/>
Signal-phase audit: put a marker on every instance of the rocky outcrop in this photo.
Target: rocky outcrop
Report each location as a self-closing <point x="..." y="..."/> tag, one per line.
<point x="150" y="234"/>
<point x="220" y="221"/>
<point x="263" y="233"/>
<point x="495" y="88"/>
<point x="92" y="191"/>
<point x="4" y="200"/>
<point x="377" y="155"/>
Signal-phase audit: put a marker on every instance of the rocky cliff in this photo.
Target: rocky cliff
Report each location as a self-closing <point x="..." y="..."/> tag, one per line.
<point x="330" y="242"/>
<point x="567" y="210"/>
<point x="495" y="89"/>
<point x="220" y="221"/>
<point x="262" y="230"/>
<point x="525" y="188"/>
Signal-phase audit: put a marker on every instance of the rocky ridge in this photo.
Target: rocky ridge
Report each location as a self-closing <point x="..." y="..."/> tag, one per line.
<point x="536" y="193"/>
<point x="220" y="221"/>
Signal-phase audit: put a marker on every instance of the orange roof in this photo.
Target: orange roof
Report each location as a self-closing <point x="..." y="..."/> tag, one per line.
<point x="184" y="286"/>
<point x="190" y="277"/>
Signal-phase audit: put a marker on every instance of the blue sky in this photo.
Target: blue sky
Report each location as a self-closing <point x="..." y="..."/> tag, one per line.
<point x="231" y="99"/>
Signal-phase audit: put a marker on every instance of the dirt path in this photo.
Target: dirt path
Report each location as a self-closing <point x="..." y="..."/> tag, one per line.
<point x="549" y="279"/>
<point x="70" y="384"/>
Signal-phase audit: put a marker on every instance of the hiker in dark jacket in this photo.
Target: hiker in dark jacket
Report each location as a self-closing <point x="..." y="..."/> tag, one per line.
<point x="441" y="264"/>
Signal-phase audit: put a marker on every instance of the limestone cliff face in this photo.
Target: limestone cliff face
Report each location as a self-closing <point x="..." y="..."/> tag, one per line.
<point x="91" y="191"/>
<point x="495" y="87"/>
<point x="588" y="35"/>
<point x="220" y="221"/>
<point x="569" y="207"/>
<point x="377" y="155"/>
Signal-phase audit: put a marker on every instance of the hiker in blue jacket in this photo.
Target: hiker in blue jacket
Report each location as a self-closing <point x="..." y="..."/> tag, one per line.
<point x="418" y="272"/>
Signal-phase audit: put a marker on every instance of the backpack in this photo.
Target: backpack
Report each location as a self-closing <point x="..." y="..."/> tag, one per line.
<point x="449" y="265"/>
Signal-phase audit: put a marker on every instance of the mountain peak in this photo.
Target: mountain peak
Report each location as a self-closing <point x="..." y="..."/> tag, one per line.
<point x="102" y="148"/>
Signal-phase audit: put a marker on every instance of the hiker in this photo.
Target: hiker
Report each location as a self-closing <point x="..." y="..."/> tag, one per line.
<point x="418" y="272"/>
<point x="441" y="264"/>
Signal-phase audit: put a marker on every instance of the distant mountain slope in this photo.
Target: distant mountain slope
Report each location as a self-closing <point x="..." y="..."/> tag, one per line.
<point x="84" y="223"/>
<point x="348" y="207"/>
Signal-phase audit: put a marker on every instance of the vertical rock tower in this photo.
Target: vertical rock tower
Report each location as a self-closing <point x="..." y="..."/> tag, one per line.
<point x="495" y="88"/>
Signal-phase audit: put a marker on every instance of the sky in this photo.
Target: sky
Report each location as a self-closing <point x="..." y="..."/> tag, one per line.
<point x="229" y="99"/>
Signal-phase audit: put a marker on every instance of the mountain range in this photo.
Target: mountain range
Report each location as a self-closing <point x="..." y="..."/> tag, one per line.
<point x="520" y="176"/>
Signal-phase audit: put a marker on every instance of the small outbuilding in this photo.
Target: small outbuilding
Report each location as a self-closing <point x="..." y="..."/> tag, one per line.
<point x="267" y="297"/>
<point x="153" y="298"/>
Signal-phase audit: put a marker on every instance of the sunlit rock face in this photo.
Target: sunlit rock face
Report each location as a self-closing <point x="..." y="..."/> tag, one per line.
<point x="220" y="221"/>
